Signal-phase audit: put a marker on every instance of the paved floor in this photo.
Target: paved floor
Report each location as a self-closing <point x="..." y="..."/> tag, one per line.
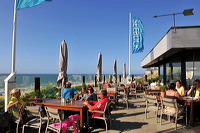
<point x="133" y="120"/>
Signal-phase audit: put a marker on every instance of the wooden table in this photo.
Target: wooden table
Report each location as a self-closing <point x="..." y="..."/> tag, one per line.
<point x="188" y="102"/>
<point x="148" y="91"/>
<point x="114" y="95"/>
<point x="74" y="106"/>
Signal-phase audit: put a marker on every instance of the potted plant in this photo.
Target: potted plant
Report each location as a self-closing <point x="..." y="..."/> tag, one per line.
<point x="162" y="90"/>
<point x="159" y="86"/>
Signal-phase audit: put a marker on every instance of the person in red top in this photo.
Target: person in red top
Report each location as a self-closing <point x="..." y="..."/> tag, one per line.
<point x="100" y="105"/>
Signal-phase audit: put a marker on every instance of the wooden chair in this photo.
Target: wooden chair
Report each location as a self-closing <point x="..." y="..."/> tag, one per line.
<point x="36" y="120"/>
<point x="152" y="104"/>
<point x="106" y="115"/>
<point x="169" y="107"/>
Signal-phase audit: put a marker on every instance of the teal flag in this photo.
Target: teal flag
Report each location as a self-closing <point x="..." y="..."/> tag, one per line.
<point x="137" y="35"/>
<point x="28" y="3"/>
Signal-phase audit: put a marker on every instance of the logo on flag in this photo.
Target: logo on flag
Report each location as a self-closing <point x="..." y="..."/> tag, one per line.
<point x="137" y="35"/>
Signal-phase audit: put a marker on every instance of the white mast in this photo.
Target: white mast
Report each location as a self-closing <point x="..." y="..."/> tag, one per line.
<point x="14" y="38"/>
<point x="129" y="51"/>
<point x="10" y="80"/>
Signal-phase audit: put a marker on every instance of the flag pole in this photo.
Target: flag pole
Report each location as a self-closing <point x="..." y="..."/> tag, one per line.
<point x="14" y="38"/>
<point x="10" y="80"/>
<point x="129" y="56"/>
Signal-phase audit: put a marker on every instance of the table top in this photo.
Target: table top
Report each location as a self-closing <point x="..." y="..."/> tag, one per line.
<point x="58" y="103"/>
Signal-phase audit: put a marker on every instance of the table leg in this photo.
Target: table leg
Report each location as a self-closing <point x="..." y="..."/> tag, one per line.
<point x="81" y="121"/>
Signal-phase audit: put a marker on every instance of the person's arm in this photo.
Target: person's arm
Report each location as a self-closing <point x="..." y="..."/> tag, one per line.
<point x="76" y="96"/>
<point x="191" y="89"/>
<point x="31" y="99"/>
<point x="11" y="105"/>
<point x="97" y="106"/>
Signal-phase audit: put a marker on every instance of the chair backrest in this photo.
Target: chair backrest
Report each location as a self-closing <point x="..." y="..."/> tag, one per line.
<point x="169" y="102"/>
<point x="107" y="108"/>
<point x="151" y="99"/>
<point x="53" y="113"/>
<point x="121" y="87"/>
<point x="111" y="89"/>
<point x="33" y="111"/>
<point x="96" y="89"/>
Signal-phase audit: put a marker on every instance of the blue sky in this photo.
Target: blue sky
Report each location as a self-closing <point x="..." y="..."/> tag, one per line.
<point x="88" y="27"/>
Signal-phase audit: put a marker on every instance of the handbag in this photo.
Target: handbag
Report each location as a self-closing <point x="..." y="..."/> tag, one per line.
<point x="5" y="121"/>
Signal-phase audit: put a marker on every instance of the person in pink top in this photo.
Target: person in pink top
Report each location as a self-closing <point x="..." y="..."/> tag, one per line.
<point x="100" y="105"/>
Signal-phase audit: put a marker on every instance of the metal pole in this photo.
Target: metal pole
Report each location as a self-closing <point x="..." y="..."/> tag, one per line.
<point x="174" y="15"/>
<point x="14" y="38"/>
<point x="129" y="44"/>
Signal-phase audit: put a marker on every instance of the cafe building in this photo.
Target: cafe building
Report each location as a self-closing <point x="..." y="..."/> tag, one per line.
<point x="177" y="55"/>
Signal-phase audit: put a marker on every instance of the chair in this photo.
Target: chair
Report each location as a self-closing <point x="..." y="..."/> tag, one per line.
<point x="125" y="98"/>
<point x="111" y="89"/>
<point x="121" y="88"/>
<point x="134" y="91"/>
<point x="96" y="89"/>
<point x="152" y="104"/>
<point x="55" y="121"/>
<point x="36" y="120"/>
<point x="106" y="115"/>
<point x="54" y="117"/>
<point x="169" y="107"/>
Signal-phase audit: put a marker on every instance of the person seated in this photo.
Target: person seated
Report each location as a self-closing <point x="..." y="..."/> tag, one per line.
<point x="69" y="93"/>
<point x="172" y="93"/>
<point x="153" y="85"/>
<point x="133" y="84"/>
<point x="195" y="92"/>
<point x="180" y="88"/>
<point x="159" y="83"/>
<point x="90" y="95"/>
<point x="107" y="84"/>
<point x="17" y="101"/>
<point x="100" y="105"/>
<point x="129" y="81"/>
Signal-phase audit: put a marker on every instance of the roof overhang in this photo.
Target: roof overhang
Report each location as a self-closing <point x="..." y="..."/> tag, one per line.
<point x="185" y="38"/>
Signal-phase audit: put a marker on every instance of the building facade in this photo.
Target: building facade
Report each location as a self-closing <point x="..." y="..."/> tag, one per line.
<point x="177" y="55"/>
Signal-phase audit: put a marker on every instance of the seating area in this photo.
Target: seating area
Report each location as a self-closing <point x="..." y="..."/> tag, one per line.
<point x="133" y="120"/>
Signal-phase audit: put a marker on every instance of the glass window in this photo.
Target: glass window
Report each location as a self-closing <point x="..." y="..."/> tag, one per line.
<point x="173" y="72"/>
<point x="161" y="73"/>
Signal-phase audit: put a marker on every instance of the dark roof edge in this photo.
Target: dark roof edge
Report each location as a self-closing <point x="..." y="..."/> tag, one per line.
<point x="180" y="27"/>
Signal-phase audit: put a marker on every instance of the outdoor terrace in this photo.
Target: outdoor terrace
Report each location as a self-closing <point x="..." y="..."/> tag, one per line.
<point x="133" y="120"/>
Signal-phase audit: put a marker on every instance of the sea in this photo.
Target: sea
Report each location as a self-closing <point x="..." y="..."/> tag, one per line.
<point x="26" y="81"/>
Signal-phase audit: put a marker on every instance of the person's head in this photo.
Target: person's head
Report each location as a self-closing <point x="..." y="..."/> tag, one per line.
<point x="178" y="83"/>
<point x="103" y="92"/>
<point x="89" y="89"/>
<point x="196" y="83"/>
<point x="15" y="93"/>
<point x="172" y="86"/>
<point x="68" y="85"/>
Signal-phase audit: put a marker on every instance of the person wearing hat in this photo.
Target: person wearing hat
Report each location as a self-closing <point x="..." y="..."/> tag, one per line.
<point x="16" y="101"/>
